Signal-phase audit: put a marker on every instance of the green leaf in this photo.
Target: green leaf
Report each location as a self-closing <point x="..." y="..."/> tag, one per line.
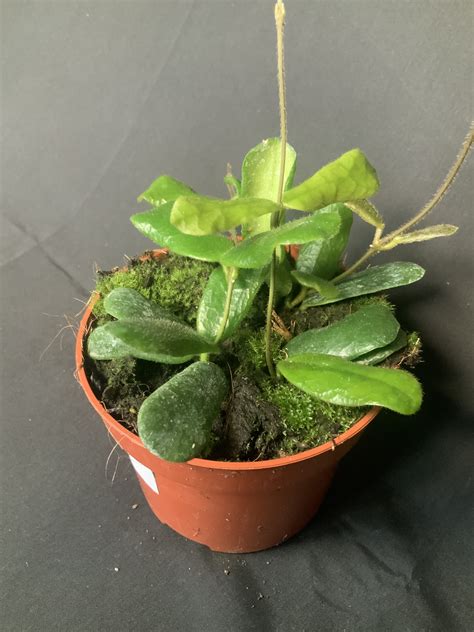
<point x="147" y="339"/>
<point x="323" y="258"/>
<point x="366" y="329"/>
<point x="125" y="303"/>
<point x="379" y="355"/>
<point x="175" y="422"/>
<point x="256" y="252"/>
<point x="431" y="232"/>
<point x="199" y="215"/>
<point x="261" y="175"/>
<point x="346" y="383"/>
<point x="211" y="308"/>
<point x="164" y="189"/>
<point x="324" y="287"/>
<point x="366" y="211"/>
<point x="156" y="226"/>
<point x="371" y="280"/>
<point x="350" y="177"/>
<point x="283" y="275"/>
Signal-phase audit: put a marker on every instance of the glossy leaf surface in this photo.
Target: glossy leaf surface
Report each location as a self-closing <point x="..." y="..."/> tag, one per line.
<point x="366" y="329"/>
<point x="350" y="177"/>
<point x="255" y="252"/>
<point x="211" y="308"/>
<point x="324" y="287"/>
<point x="126" y="303"/>
<point x="371" y="280"/>
<point x="431" y="232"/>
<point x="148" y="340"/>
<point x="347" y="383"/>
<point x="379" y="355"/>
<point x="366" y="211"/>
<point x="175" y="422"/>
<point x="156" y="226"/>
<point x="199" y="215"/>
<point x="165" y="189"/>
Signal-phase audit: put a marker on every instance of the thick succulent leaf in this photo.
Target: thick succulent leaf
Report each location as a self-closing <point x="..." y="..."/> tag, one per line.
<point x="126" y="303"/>
<point x="366" y="211"/>
<point x="156" y="226"/>
<point x="211" y="307"/>
<point x="350" y="177"/>
<point x="165" y="189"/>
<point x="149" y="339"/>
<point x="379" y="355"/>
<point x="256" y="252"/>
<point x="323" y="258"/>
<point x="199" y="215"/>
<point x="371" y="280"/>
<point x="175" y="422"/>
<point x="347" y="383"/>
<point x="366" y="329"/>
<point x="431" y="232"/>
<point x="324" y="287"/>
<point x="261" y="175"/>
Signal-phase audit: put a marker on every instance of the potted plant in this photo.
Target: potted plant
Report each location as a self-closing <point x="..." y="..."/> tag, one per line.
<point x="238" y="366"/>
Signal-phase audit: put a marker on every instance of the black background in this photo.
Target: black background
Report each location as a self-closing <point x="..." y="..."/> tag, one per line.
<point x="99" y="98"/>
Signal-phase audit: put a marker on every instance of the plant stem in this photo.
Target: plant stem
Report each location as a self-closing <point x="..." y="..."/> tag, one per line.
<point x="278" y="217"/>
<point x="378" y="242"/>
<point x="231" y="277"/>
<point x="204" y="357"/>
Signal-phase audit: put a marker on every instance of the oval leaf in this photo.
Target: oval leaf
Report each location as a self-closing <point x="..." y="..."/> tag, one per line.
<point x="324" y="287"/>
<point x="346" y="383"/>
<point x="379" y="355"/>
<point x="211" y="307"/>
<point x="156" y="226"/>
<point x="261" y="175"/>
<point x="150" y="339"/>
<point x="366" y="211"/>
<point x="369" y="328"/>
<point x="374" y="279"/>
<point x="432" y="232"/>
<point x="199" y="215"/>
<point x="126" y="303"/>
<point x="256" y="252"/>
<point x="323" y="258"/>
<point x="164" y="189"/>
<point x="350" y="177"/>
<point x="175" y="422"/>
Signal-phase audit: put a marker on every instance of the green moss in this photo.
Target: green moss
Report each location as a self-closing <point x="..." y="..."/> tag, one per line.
<point x="176" y="283"/>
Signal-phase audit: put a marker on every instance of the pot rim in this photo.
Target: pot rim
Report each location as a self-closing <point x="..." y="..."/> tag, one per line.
<point x="203" y="463"/>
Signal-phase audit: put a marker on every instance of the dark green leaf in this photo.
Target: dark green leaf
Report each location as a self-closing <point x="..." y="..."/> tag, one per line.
<point x="371" y="280"/>
<point x="323" y="258"/>
<point x="211" y="308"/>
<point x="199" y="215"/>
<point x="165" y="189"/>
<point x="350" y="177"/>
<point x="256" y="252"/>
<point x="366" y="211"/>
<point x="431" y="232"/>
<point x="125" y="303"/>
<point x="325" y="288"/>
<point x="283" y="275"/>
<point x="366" y="329"/>
<point x="148" y="340"/>
<point x="379" y="355"/>
<point x="261" y="175"/>
<point x="156" y="226"/>
<point x="346" y="383"/>
<point x="175" y="422"/>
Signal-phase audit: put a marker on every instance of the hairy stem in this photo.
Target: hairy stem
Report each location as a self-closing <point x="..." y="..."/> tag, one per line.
<point x="231" y="277"/>
<point x="278" y="217"/>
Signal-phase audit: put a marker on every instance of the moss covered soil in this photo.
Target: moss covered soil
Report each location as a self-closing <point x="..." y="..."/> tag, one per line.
<point x="262" y="418"/>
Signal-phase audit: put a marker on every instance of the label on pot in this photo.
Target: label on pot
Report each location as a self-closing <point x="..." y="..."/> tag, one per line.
<point x="145" y="474"/>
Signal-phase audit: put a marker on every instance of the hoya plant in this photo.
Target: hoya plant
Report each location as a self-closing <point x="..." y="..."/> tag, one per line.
<point x="252" y="244"/>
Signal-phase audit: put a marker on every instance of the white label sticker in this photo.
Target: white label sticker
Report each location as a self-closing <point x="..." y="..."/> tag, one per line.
<point x="145" y="474"/>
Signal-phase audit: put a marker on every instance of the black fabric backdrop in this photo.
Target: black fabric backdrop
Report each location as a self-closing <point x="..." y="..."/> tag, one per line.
<point x="99" y="98"/>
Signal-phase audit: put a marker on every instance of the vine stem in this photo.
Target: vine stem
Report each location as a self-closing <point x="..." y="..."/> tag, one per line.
<point x="278" y="216"/>
<point x="379" y="242"/>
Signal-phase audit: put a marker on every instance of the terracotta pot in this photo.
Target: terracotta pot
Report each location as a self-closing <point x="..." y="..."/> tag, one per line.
<point x="229" y="507"/>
